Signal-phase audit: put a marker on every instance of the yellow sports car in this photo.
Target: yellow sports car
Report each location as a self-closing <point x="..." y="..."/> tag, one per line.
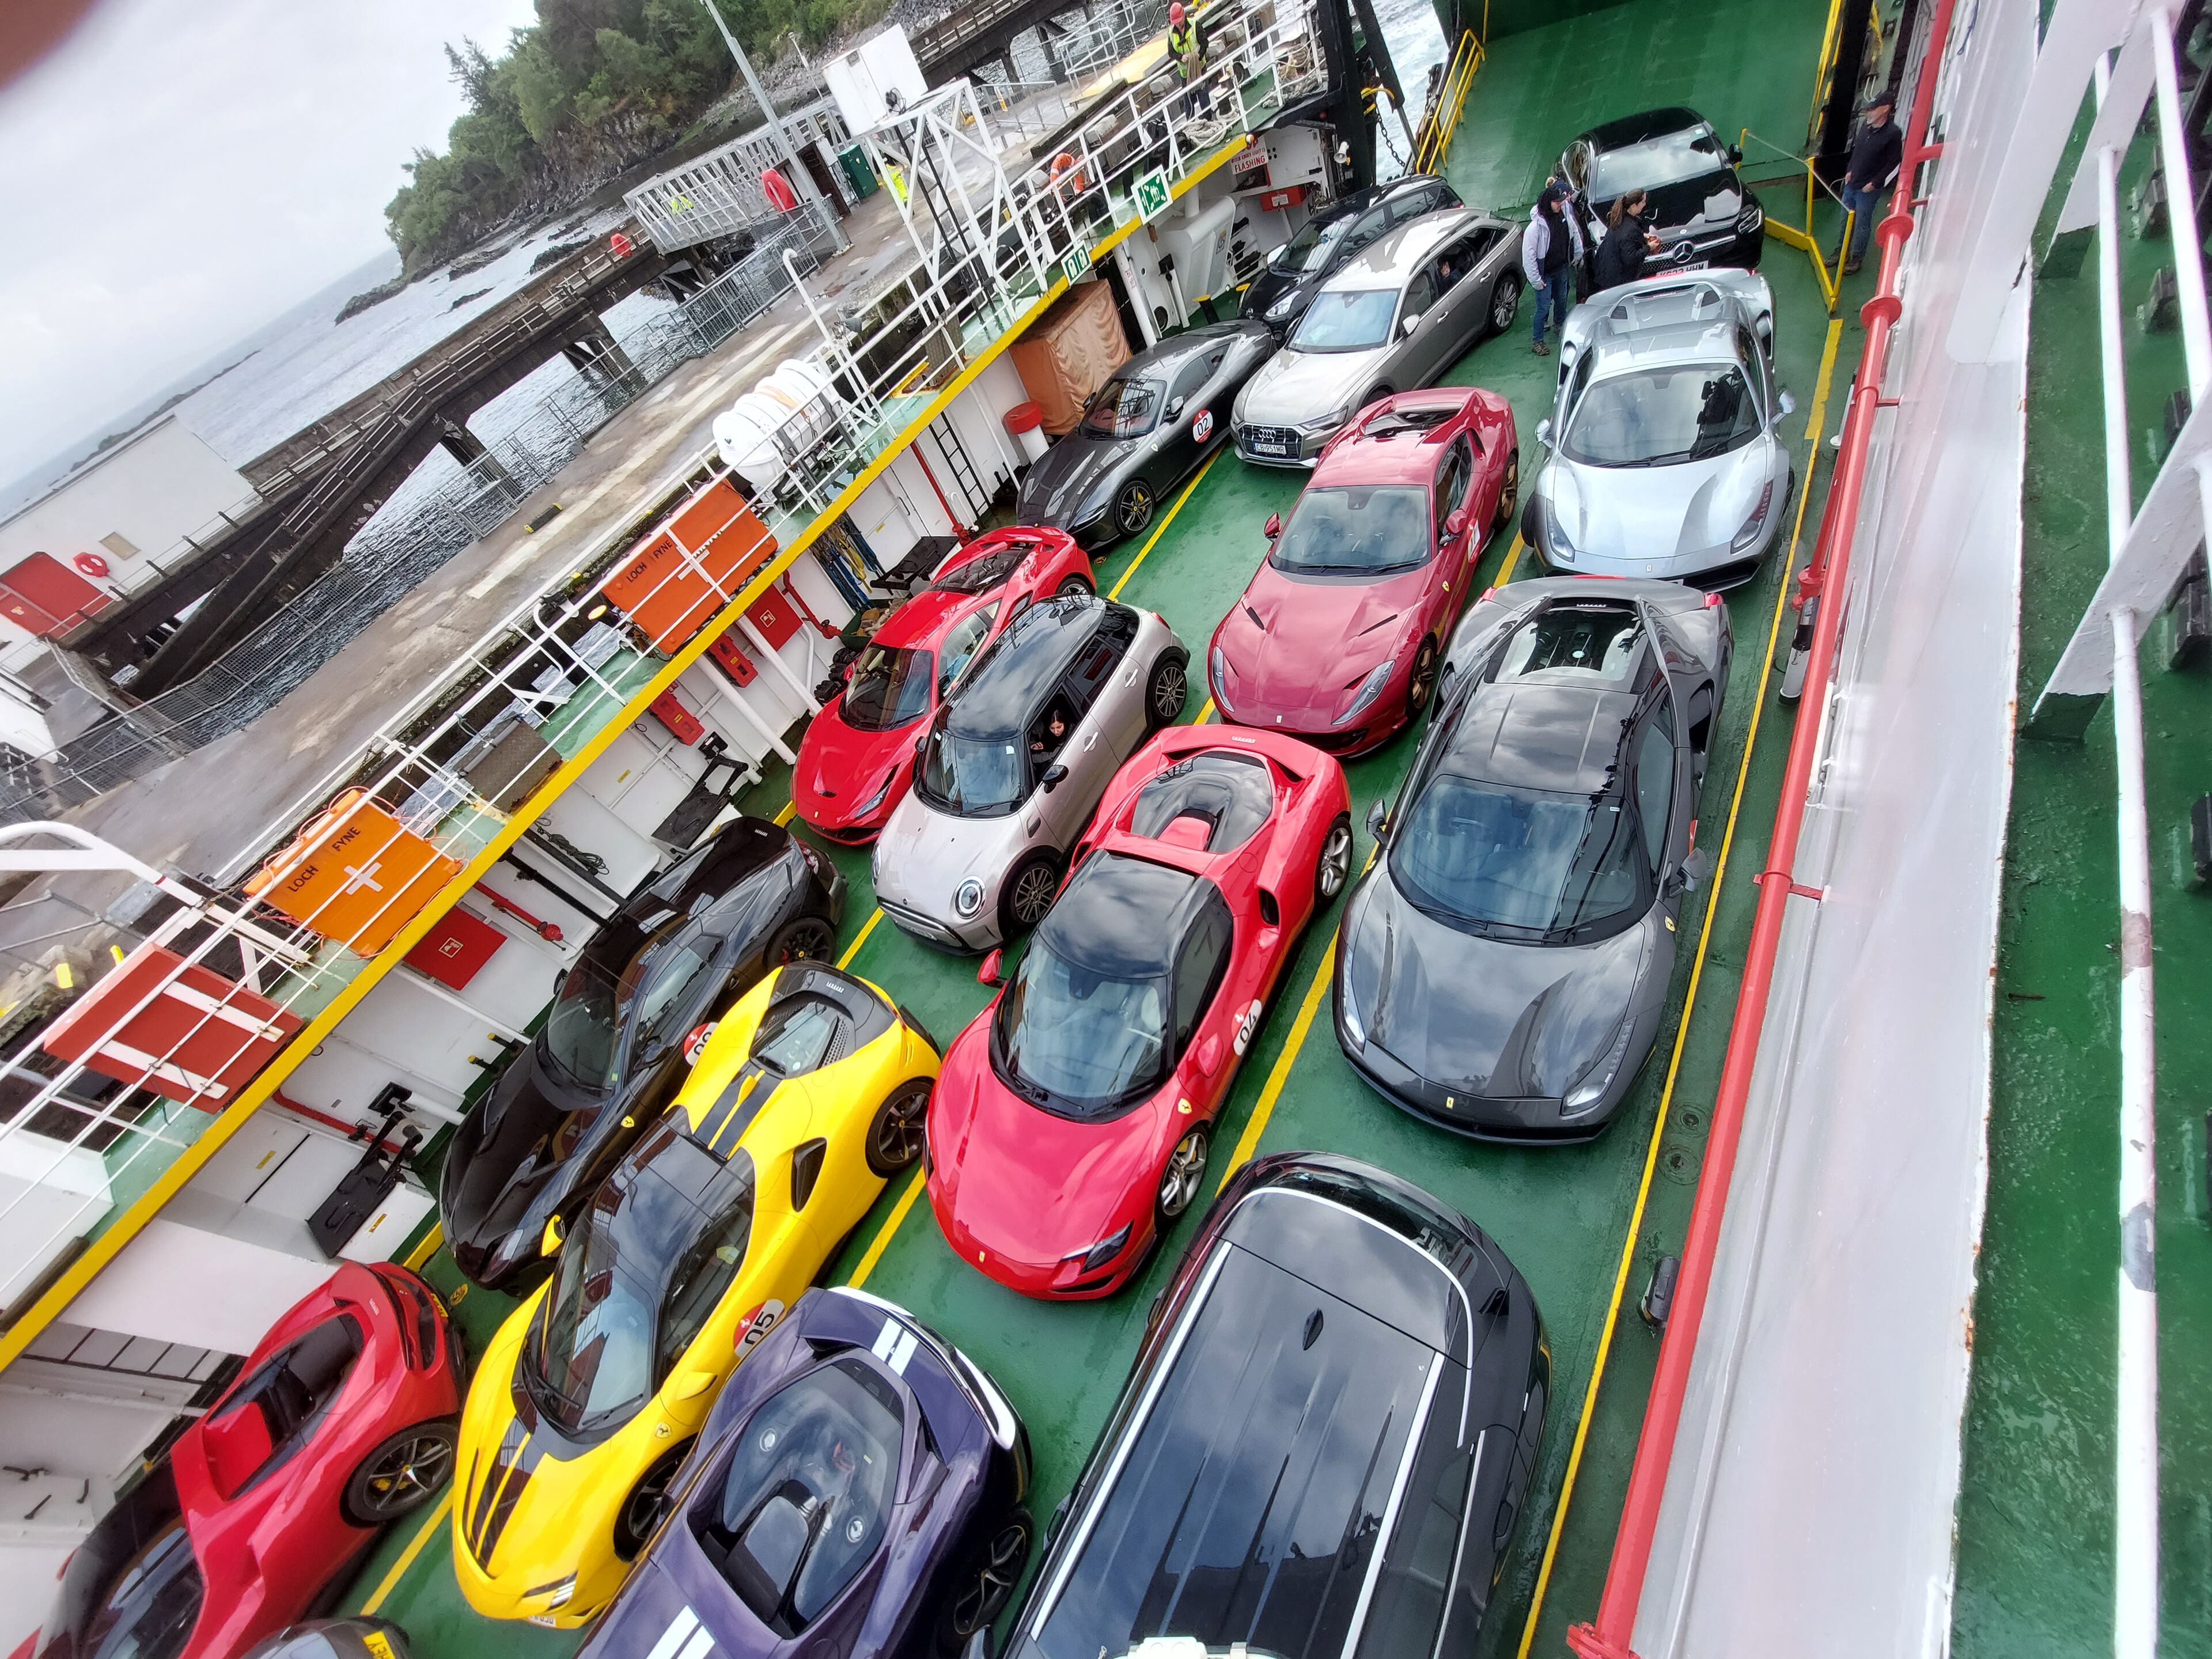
<point x="804" y="1098"/>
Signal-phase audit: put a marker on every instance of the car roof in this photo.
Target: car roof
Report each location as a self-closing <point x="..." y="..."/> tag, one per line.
<point x="1674" y="322"/>
<point x="1642" y="129"/>
<point x="1003" y="690"/>
<point x="1177" y="348"/>
<point x="1131" y="915"/>
<point x="1380" y="449"/>
<point x="1388" y="262"/>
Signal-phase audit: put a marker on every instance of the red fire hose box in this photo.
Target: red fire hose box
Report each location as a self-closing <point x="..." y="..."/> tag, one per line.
<point x="199" y="1040"/>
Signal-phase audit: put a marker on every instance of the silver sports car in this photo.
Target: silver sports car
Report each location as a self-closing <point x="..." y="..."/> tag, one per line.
<point x="1665" y="460"/>
<point x="1394" y="319"/>
<point x="1008" y="772"/>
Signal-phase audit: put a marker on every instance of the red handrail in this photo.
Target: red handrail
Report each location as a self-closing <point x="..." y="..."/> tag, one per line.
<point x="1608" y="1637"/>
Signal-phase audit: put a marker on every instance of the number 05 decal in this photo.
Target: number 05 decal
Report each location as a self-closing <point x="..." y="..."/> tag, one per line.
<point x="1249" y="1025"/>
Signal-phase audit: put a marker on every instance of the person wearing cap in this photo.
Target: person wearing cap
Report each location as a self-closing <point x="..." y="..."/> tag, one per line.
<point x="1876" y="155"/>
<point x="1551" y="252"/>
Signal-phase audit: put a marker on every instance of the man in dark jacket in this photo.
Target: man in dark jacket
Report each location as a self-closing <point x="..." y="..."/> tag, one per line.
<point x="1629" y="241"/>
<point x="1551" y="249"/>
<point x="1876" y="155"/>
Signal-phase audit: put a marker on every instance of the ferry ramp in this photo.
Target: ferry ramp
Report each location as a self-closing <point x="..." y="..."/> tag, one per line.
<point x="1584" y="1223"/>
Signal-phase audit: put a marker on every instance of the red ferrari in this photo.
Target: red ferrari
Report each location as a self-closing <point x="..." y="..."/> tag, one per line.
<point x="342" y="1420"/>
<point x="854" y="762"/>
<point x="1071" y="1120"/>
<point x="1338" y="635"/>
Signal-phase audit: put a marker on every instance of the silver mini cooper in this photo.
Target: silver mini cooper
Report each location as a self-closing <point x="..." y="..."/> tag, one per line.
<point x="1665" y="457"/>
<point x="1008" y="772"/>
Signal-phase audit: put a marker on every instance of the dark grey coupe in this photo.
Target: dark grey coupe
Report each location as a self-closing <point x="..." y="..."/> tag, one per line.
<point x="1143" y="433"/>
<point x="1503" y="966"/>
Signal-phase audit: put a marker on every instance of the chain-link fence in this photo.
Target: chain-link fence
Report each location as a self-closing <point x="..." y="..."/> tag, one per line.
<point x="397" y="552"/>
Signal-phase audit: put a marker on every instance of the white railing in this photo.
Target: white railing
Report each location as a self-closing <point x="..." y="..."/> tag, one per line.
<point x="720" y="193"/>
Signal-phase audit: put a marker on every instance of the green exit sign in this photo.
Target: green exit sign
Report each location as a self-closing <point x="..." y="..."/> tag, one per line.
<point x="1077" y="262"/>
<point x="1152" y="194"/>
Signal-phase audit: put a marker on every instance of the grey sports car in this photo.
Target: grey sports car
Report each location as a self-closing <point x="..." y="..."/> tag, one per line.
<point x="1394" y="319"/>
<point x="1008" y="772"/>
<point x="1142" y="433"/>
<point x="1503" y="966"/>
<point x="1664" y="456"/>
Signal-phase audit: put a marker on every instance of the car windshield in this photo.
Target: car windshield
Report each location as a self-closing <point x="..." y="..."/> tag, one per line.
<point x="1486" y="856"/>
<point x="663" y="1237"/>
<point x="971" y="777"/>
<point x="1356" y="531"/>
<point x="1347" y="319"/>
<point x="1079" y="1042"/>
<point x="581" y="1027"/>
<point x="983" y="572"/>
<point x="1674" y="158"/>
<point x="1125" y="407"/>
<point x="889" y="688"/>
<point x="1657" y="416"/>
<point x="1309" y="250"/>
<point x="150" y="1610"/>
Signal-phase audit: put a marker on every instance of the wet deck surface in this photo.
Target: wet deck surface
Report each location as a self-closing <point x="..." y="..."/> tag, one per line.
<point x="1583" y="1224"/>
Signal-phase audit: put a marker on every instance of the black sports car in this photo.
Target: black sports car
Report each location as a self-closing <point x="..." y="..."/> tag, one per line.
<point x="1143" y="433"/>
<point x="1326" y="1440"/>
<point x="858" y="1489"/>
<point x="1325" y="244"/>
<point x="610" y="1056"/>
<point x="1503" y="966"/>
<point x="1698" y="205"/>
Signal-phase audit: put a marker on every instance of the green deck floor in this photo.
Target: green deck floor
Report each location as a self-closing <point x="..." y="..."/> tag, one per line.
<point x="1564" y="1215"/>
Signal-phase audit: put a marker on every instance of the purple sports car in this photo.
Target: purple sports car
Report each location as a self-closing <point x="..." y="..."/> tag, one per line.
<point x="858" y="1489"/>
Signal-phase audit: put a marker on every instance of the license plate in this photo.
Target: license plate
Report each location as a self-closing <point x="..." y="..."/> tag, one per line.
<point x="544" y="1618"/>
<point x="1272" y="446"/>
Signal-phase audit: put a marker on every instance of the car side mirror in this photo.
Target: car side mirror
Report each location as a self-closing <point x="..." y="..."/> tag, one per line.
<point x="1543" y="432"/>
<point x="1378" y="819"/>
<point x="1274" y="527"/>
<point x="1455" y="524"/>
<point x="1410" y="323"/>
<point x="1054" y="777"/>
<point x="1735" y="155"/>
<point x="1786" y="404"/>
<point x="1690" y="874"/>
<point x="988" y="972"/>
<point x="1174" y="408"/>
<point x="548" y="1242"/>
<point x="1208" y="1057"/>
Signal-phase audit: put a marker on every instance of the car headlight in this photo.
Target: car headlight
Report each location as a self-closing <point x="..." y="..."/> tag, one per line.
<point x="1101" y="1252"/>
<point x="969" y="899"/>
<point x="1369" y="689"/>
<point x="1557" y="548"/>
<point x="1282" y="307"/>
<point x="1751" y="219"/>
<point x="882" y="790"/>
<point x="561" y="1590"/>
<point x="1348" y="1007"/>
<point x="1219" y="666"/>
<point x="1756" y="523"/>
<point x="1599" y="1077"/>
<point x="1335" y="417"/>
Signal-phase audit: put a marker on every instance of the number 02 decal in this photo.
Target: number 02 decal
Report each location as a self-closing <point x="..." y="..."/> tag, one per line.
<point x="1201" y="425"/>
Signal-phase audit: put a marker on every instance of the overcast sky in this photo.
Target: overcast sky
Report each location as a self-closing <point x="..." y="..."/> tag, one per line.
<point x="181" y="171"/>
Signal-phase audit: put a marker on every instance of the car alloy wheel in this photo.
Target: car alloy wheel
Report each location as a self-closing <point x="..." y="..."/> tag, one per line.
<point x="809" y="938"/>
<point x="1133" y="509"/>
<point x="997" y="1570"/>
<point x="402" y="1475"/>
<point x="1069" y="585"/>
<point x="647" y="1503"/>
<point x="1165" y="693"/>
<point x="1335" y="860"/>
<point x="1186" y="1172"/>
<point x="1030" y="891"/>
<point x="1509" y="492"/>
<point x="1422" y="681"/>
<point x="1504" y="303"/>
<point x="895" y="1137"/>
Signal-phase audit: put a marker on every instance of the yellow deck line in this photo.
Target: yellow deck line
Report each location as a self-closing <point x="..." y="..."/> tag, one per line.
<point x="1264" y="1108"/>
<point x="166" y="1186"/>
<point x="1629" y="1240"/>
<point x="1161" y="529"/>
<point x="1205" y="713"/>
<point x="429" y="1248"/>
<point x="1512" y="558"/>
<point x="883" y="1239"/>
<point x="423" y="1533"/>
<point x="859" y="939"/>
<point x="789" y="807"/>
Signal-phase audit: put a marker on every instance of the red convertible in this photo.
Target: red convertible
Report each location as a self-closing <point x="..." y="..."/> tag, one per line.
<point x="1338" y="635"/>
<point x="342" y="1420"/>
<point x="855" y="761"/>
<point x="1071" y="1120"/>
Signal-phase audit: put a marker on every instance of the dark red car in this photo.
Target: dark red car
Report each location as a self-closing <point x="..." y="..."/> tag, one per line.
<point x="855" y="761"/>
<point x="343" y="1419"/>
<point x="1071" y="1120"/>
<point x="1338" y="635"/>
